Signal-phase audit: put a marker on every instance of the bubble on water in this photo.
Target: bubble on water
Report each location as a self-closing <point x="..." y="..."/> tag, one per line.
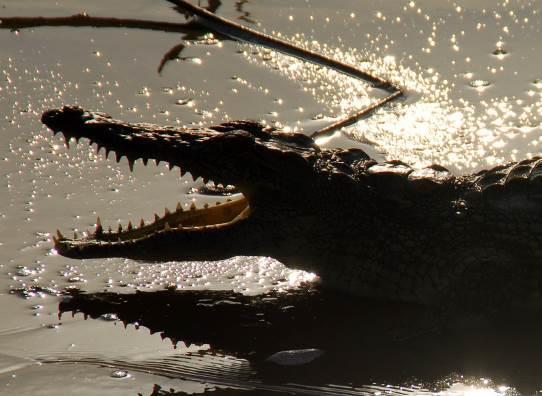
<point x="28" y="292"/>
<point x="479" y="83"/>
<point x="500" y="52"/>
<point x="119" y="374"/>
<point x="317" y="117"/>
<point x="76" y="279"/>
<point x="184" y="102"/>
<point x="24" y="271"/>
<point x="145" y="91"/>
<point x="196" y="61"/>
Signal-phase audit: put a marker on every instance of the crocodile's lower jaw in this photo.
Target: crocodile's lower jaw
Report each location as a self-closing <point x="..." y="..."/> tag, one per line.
<point x="103" y="243"/>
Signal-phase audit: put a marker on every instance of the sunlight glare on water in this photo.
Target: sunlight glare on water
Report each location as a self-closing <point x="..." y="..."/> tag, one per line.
<point x="473" y="85"/>
<point x="431" y="125"/>
<point x="473" y="113"/>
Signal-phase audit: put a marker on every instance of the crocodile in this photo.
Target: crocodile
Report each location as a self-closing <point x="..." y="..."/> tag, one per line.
<point x="378" y="229"/>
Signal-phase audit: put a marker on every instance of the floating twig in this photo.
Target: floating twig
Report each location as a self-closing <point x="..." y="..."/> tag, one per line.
<point x="243" y="33"/>
<point x="234" y="30"/>
<point x="367" y="111"/>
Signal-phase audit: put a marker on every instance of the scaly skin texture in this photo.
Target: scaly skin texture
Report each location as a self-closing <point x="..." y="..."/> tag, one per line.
<point x="375" y="229"/>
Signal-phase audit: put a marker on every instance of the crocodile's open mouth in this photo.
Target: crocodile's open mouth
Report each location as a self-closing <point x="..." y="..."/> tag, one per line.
<point x="143" y="142"/>
<point x="215" y="217"/>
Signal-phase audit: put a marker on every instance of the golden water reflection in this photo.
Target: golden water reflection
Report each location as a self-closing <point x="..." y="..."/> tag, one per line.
<point x="437" y="122"/>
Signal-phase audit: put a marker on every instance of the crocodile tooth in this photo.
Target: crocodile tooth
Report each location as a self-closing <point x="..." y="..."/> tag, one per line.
<point x="156" y="217"/>
<point x="166" y="226"/>
<point x="166" y="212"/>
<point x="193" y="206"/>
<point x="120" y="228"/>
<point x="66" y="140"/>
<point x="99" y="230"/>
<point x="130" y="225"/>
<point x="142" y="223"/>
<point x="55" y="240"/>
<point x="179" y="207"/>
<point x="59" y="235"/>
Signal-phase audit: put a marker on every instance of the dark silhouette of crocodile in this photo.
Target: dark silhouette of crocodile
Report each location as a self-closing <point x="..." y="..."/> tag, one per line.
<point x="383" y="230"/>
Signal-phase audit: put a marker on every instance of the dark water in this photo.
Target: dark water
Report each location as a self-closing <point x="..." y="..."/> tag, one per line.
<point x="471" y="71"/>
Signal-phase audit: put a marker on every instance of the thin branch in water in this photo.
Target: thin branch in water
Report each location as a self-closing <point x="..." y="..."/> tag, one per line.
<point x="239" y="32"/>
<point x="364" y="113"/>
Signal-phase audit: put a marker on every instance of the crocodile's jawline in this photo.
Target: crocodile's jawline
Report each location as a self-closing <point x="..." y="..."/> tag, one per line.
<point x="377" y="229"/>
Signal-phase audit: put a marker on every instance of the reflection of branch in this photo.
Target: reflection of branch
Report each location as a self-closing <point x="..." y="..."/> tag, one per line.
<point x="78" y="20"/>
<point x="243" y="33"/>
<point x="170" y="55"/>
<point x="245" y="14"/>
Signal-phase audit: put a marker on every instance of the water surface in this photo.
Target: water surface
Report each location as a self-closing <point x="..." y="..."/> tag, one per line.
<point x="472" y="75"/>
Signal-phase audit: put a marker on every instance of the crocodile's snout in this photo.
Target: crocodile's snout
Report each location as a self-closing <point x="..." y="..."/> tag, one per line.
<point x="60" y="119"/>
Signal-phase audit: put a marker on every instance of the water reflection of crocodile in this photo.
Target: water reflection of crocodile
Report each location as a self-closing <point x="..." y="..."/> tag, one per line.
<point x="358" y="336"/>
<point x="376" y="229"/>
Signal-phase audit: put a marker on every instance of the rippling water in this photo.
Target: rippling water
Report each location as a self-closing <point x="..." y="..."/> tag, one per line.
<point x="472" y="75"/>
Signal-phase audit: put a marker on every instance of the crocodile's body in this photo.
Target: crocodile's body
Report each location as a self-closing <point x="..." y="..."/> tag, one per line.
<point x="374" y="229"/>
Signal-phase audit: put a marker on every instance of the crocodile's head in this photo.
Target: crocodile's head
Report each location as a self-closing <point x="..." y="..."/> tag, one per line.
<point x="269" y="168"/>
